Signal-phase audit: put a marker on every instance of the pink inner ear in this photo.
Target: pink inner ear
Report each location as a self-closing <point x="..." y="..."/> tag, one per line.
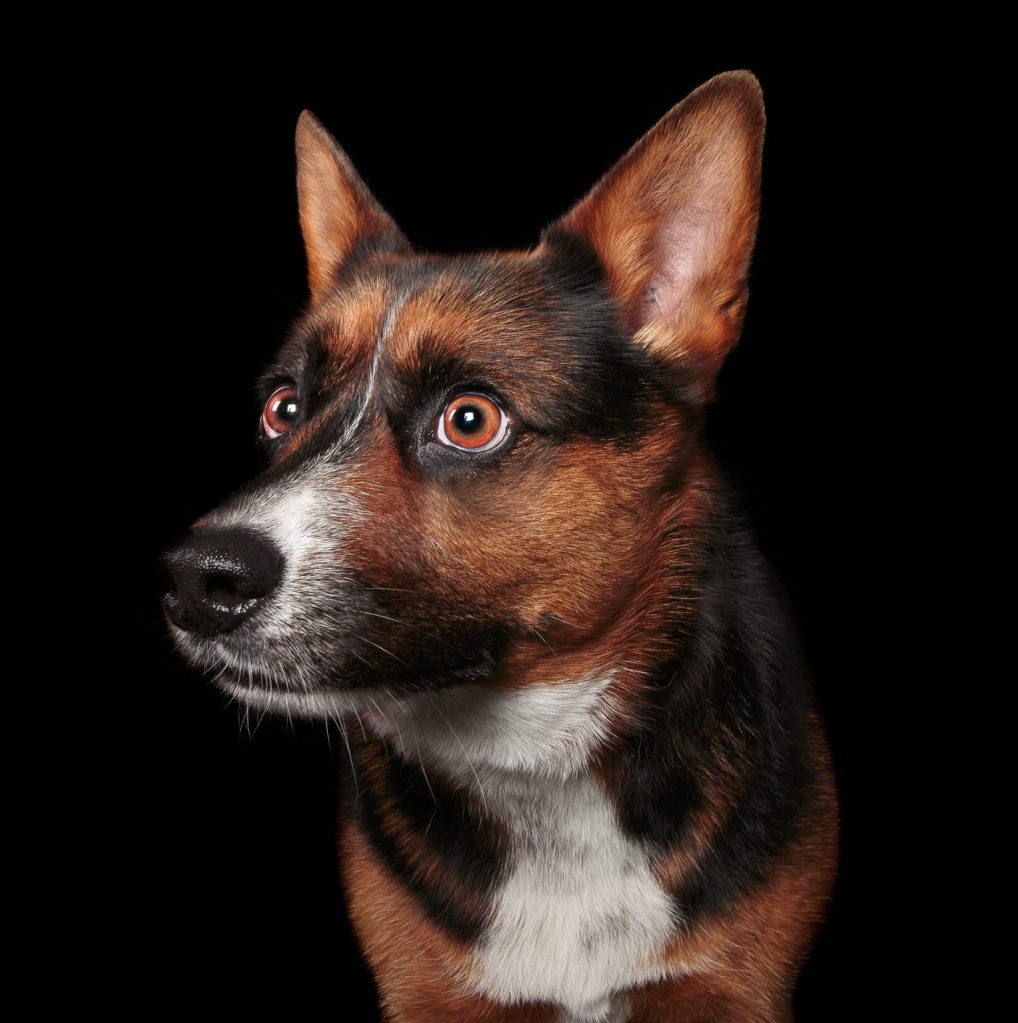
<point x="681" y="249"/>
<point x="673" y="222"/>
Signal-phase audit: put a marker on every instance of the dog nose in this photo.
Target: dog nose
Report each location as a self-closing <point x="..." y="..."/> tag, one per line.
<point x="218" y="578"/>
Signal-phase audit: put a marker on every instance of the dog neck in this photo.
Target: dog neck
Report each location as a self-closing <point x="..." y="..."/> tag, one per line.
<point x="697" y="656"/>
<point x="567" y="829"/>
<point x="700" y="708"/>
<point x="471" y="732"/>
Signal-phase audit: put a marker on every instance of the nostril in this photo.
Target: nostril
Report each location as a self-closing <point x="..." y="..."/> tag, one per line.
<point x="222" y="589"/>
<point x="165" y="581"/>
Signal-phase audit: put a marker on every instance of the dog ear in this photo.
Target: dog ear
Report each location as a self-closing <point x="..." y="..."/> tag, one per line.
<point x="337" y="211"/>
<point x="674" y="221"/>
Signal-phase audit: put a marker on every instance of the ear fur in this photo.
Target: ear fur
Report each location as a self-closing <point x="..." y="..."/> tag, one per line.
<point x="674" y="221"/>
<point x="337" y="211"/>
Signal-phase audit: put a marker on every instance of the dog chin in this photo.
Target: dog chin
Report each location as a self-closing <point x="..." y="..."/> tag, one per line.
<point x="262" y="687"/>
<point x="252" y="688"/>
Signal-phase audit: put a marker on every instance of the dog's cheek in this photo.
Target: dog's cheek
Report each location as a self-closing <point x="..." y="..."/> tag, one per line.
<point x="565" y="534"/>
<point x="430" y="591"/>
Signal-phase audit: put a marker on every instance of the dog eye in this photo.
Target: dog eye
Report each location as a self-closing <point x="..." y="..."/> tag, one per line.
<point x="280" y="412"/>
<point x="472" y="422"/>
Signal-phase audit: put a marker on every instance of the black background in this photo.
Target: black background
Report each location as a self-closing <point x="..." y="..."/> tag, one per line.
<point x="221" y="878"/>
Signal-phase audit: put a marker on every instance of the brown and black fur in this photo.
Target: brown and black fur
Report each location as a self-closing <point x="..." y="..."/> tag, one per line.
<point x="603" y="534"/>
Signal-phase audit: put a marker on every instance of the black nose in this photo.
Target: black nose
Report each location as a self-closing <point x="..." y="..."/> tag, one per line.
<point x="218" y="578"/>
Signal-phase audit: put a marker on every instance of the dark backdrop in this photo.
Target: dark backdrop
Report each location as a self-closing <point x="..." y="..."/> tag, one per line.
<point x="220" y="883"/>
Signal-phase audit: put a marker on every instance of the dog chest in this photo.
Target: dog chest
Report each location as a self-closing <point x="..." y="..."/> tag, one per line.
<point x="579" y="915"/>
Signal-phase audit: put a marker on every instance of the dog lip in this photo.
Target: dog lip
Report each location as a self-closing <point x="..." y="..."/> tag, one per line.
<point x="254" y="679"/>
<point x="209" y="653"/>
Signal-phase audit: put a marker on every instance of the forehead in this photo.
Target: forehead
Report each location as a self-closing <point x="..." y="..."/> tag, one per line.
<point x="449" y="304"/>
<point x="529" y="323"/>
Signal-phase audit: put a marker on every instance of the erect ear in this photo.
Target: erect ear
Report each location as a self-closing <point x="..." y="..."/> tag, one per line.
<point x="674" y="221"/>
<point x="337" y="211"/>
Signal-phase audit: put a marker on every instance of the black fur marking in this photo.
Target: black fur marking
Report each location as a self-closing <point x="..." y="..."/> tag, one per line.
<point x="574" y="255"/>
<point x="576" y="261"/>
<point x="302" y="360"/>
<point x="435" y="655"/>
<point x="734" y="698"/>
<point x="368" y="246"/>
<point x="438" y="820"/>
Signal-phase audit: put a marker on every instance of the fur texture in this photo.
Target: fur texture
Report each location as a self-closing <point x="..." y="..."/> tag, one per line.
<point x="587" y="782"/>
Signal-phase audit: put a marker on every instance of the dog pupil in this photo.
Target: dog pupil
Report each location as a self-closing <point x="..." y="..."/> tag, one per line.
<point x="467" y="418"/>
<point x="287" y="409"/>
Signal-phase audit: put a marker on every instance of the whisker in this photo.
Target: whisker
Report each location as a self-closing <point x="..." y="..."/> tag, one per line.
<point x="540" y="636"/>
<point x="574" y="625"/>
<point x="424" y="770"/>
<point x="361" y="659"/>
<point x="375" y="614"/>
<point x="349" y="753"/>
<point x="399" y="621"/>
<point x="392" y="655"/>
<point x="466" y="755"/>
<point x="361" y="723"/>
<point x="392" y="721"/>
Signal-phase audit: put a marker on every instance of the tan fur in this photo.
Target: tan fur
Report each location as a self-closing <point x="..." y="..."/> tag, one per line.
<point x="744" y="963"/>
<point x="660" y="804"/>
<point x="572" y="549"/>
<point x="414" y="963"/>
<point x="336" y="209"/>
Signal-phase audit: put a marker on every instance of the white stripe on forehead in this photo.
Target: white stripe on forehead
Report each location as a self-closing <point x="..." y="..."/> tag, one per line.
<point x="376" y="357"/>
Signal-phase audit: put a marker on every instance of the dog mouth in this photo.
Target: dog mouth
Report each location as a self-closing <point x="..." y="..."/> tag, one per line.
<point x="298" y="657"/>
<point x="333" y="680"/>
<point x="235" y="672"/>
<point x="254" y="680"/>
<point x="252" y="684"/>
<point x="261" y="596"/>
<point x="290" y="678"/>
<point x="253" y="687"/>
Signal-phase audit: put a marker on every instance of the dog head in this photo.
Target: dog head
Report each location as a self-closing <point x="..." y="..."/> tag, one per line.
<point x="482" y="468"/>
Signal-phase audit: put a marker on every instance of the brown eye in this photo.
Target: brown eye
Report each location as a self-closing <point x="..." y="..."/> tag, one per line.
<point x="280" y="412"/>
<point x="472" y="422"/>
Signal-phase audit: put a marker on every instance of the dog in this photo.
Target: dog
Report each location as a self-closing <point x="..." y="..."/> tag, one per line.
<point x="589" y="782"/>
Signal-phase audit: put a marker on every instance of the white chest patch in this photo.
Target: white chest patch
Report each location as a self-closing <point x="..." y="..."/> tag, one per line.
<point x="580" y="917"/>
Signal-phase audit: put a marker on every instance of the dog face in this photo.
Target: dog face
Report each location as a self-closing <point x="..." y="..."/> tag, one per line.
<point x="477" y="464"/>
